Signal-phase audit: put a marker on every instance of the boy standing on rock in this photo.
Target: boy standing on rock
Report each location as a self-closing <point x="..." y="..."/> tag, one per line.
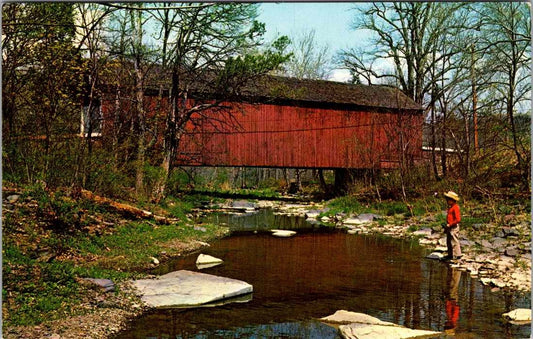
<point x="451" y="229"/>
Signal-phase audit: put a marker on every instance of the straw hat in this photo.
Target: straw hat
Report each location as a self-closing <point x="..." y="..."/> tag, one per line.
<point x="451" y="195"/>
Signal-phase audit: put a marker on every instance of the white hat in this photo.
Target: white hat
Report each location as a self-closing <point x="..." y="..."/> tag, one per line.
<point x="452" y="195"/>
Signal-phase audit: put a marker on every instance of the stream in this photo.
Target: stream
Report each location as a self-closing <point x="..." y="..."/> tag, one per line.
<point x="321" y="270"/>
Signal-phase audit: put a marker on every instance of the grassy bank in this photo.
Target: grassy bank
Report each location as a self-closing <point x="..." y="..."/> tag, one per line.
<point x="474" y="210"/>
<point x="480" y="219"/>
<point x="52" y="239"/>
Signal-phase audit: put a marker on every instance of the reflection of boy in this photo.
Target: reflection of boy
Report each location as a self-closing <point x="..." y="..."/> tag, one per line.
<point x="452" y="305"/>
<point x="453" y="218"/>
<point x="452" y="316"/>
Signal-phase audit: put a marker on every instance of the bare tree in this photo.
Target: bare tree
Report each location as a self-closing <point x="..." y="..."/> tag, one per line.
<point x="507" y="42"/>
<point x="209" y="48"/>
<point x="309" y="59"/>
<point x="406" y="33"/>
<point x="90" y="42"/>
<point x="419" y="42"/>
<point x="41" y="81"/>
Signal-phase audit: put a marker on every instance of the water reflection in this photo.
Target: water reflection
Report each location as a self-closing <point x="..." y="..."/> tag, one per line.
<point x="452" y="300"/>
<point x="315" y="273"/>
<point x="262" y="220"/>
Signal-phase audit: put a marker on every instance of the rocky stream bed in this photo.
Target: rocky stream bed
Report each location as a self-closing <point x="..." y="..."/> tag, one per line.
<point x="500" y="255"/>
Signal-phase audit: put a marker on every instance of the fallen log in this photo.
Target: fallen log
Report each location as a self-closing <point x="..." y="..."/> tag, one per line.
<point x="125" y="208"/>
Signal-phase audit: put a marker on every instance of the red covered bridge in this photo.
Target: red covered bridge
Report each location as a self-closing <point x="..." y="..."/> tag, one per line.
<point x="292" y="123"/>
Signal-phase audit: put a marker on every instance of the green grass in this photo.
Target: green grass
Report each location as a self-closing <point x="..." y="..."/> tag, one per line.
<point x="262" y="193"/>
<point x="45" y="291"/>
<point x="37" y="290"/>
<point x="419" y="207"/>
<point x="136" y="242"/>
<point x="347" y="204"/>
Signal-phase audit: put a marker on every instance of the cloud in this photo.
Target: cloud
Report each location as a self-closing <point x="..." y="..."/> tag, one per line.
<point x="340" y="75"/>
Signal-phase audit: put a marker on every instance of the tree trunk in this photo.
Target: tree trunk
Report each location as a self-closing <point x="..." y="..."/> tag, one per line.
<point x="116" y="128"/>
<point x="320" y="173"/>
<point x="434" y="143"/>
<point x="298" y="180"/>
<point x="344" y="178"/>
<point x="170" y="139"/>
<point x="467" y="165"/>
<point x="136" y="18"/>
<point x="141" y="142"/>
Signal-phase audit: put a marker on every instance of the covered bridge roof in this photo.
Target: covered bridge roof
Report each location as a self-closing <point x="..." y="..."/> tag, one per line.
<point x="283" y="89"/>
<point x="292" y="91"/>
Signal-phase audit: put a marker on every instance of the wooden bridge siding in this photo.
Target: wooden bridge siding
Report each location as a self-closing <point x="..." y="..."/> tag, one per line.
<point x="284" y="136"/>
<point x="288" y="136"/>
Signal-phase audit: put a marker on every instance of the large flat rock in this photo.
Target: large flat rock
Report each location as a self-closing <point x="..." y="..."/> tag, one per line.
<point x="435" y="255"/>
<point x="519" y="316"/>
<point x="347" y="317"/>
<point x="365" y="331"/>
<point x="364" y="326"/>
<point x="189" y="289"/>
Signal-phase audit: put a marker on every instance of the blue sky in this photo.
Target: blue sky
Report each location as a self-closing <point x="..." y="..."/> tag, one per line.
<point x="330" y="20"/>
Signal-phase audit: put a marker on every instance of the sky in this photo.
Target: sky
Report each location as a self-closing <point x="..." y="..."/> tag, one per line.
<point x="330" y="20"/>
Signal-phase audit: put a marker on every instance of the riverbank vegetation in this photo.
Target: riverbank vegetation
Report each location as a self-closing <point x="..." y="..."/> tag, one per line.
<point x="52" y="239"/>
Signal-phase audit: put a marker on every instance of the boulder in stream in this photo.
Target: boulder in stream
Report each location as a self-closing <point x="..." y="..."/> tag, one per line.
<point x="364" y="326"/>
<point x="283" y="233"/>
<point x="312" y="214"/>
<point x="518" y="316"/>
<point x="425" y="232"/>
<point x="436" y="255"/>
<point x="361" y="219"/>
<point x="206" y="261"/>
<point x="347" y="317"/>
<point x="354" y="221"/>
<point x="186" y="289"/>
<point x="365" y="331"/>
<point x="244" y="205"/>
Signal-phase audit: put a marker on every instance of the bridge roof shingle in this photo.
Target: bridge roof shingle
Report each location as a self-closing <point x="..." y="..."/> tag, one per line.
<point x="277" y="88"/>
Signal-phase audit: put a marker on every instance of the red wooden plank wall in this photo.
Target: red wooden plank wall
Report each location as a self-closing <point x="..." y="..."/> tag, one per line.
<point x="266" y="135"/>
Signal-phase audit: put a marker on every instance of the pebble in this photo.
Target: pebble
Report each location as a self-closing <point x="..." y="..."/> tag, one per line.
<point x="13" y="198"/>
<point x="511" y="252"/>
<point x="425" y="241"/>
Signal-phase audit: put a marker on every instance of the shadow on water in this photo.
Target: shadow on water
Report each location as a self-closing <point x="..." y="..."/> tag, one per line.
<point x="319" y="271"/>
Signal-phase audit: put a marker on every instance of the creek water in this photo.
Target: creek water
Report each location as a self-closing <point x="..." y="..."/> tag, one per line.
<point x="321" y="270"/>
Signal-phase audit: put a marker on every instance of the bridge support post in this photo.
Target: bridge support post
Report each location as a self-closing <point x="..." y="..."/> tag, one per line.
<point x="344" y="178"/>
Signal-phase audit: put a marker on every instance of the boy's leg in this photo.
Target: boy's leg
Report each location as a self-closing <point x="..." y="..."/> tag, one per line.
<point x="456" y="245"/>
<point x="449" y="243"/>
